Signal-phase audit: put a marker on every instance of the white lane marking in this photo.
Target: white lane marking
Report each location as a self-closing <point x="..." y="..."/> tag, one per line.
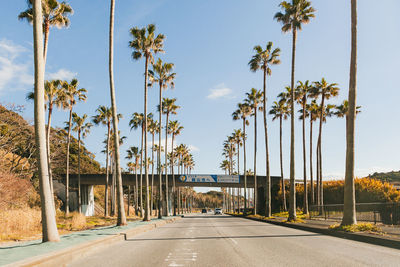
<point x="234" y="241"/>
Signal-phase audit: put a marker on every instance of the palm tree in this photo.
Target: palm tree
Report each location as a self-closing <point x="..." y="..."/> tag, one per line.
<point x="136" y="122"/>
<point x="279" y="110"/>
<point x="302" y="92"/>
<point x="54" y="14"/>
<point x="144" y="46"/>
<point x="134" y="153"/>
<point x="254" y="99"/>
<point x="121" y="220"/>
<point x="162" y="75"/>
<point x="349" y="209"/>
<point x="49" y="226"/>
<point x="296" y="13"/>
<point x="263" y="59"/>
<point x="168" y="107"/>
<point x="174" y="129"/>
<point x="324" y="90"/>
<point x="104" y="117"/>
<point x="242" y="113"/>
<point x="82" y="128"/>
<point x="72" y="95"/>
<point x="153" y="129"/>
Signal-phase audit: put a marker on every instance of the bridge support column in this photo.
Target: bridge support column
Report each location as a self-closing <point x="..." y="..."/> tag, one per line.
<point x="260" y="200"/>
<point x="87" y="195"/>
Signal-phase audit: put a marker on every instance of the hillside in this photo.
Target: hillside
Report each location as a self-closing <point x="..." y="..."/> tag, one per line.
<point x="393" y="176"/>
<point x="17" y="149"/>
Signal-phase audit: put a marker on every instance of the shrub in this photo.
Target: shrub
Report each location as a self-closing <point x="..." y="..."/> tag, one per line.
<point x="16" y="224"/>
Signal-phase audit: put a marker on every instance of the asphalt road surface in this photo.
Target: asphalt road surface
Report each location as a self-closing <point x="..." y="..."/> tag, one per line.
<point x="208" y="240"/>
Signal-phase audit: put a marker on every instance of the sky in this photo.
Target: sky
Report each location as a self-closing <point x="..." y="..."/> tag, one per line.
<point x="210" y="43"/>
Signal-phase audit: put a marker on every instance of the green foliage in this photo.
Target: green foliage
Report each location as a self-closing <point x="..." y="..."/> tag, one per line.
<point x="393" y="176"/>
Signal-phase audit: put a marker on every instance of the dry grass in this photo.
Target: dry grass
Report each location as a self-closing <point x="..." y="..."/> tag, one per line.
<point x="360" y="227"/>
<point x="17" y="224"/>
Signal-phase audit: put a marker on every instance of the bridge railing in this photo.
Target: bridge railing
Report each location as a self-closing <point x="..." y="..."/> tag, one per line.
<point x="386" y="213"/>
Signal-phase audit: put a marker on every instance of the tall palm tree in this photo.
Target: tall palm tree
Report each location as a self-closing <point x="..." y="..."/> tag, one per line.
<point x="72" y="95"/>
<point x="295" y="14"/>
<point x="153" y="129"/>
<point x="54" y="14"/>
<point x="49" y="226"/>
<point x="82" y="128"/>
<point x="174" y="129"/>
<point x="144" y="44"/>
<point x="104" y="117"/>
<point x="349" y="209"/>
<point x="242" y="113"/>
<point x="263" y="59"/>
<point x="302" y="92"/>
<point x="168" y="107"/>
<point x="254" y="99"/>
<point x="324" y="90"/>
<point x="134" y="153"/>
<point x="121" y="220"/>
<point x="138" y="120"/>
<point x="279" y="110"/>
<point x="162" y="75"/>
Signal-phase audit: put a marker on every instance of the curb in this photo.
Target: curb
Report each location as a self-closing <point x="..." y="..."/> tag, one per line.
<point x="381" y="241"/>
<point x="61" y="257"/>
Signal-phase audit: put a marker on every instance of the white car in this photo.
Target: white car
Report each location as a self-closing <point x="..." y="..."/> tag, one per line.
<point x="218" y="212"/>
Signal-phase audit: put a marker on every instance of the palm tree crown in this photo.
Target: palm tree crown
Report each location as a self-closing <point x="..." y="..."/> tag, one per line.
<point x="264" y="58"/>
<point x="296" y="13"/>
<point x="162" y="75"/>
<point x="145" y="45"/>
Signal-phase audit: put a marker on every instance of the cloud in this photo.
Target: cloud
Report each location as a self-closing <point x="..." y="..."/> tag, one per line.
<point x="14" y="73"/>
<point x="193" y="148"/>
<point x="61" y="74"/>
<point x="220" y="91"/>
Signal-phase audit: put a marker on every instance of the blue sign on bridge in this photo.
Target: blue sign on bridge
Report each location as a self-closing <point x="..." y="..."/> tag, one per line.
<point x="200" y="178"/>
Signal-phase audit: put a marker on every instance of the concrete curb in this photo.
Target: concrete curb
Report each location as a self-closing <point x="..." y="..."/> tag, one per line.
<point x="375" y="240"/>
<point x="61" y="257"/>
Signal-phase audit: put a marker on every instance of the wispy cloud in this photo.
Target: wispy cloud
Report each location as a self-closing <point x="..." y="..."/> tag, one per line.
<point x="14" y="73"/>
<point x="61" y="74"/>
<point x="219" y="91"/>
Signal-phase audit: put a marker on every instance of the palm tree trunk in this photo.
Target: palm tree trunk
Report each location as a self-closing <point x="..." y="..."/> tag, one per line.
<point x="268" y="184"/>
<point x="349" y="210"/>
<point x="319" y="155"/>
<point x="146" y="160"/>
<point x="305" y="199"/>
<point x="46" y="39"/>
<point x="166" y="164"/>
<point x="49" y="227"/>
<point x="48" y="149"/>
<point x="152" y="176"/>
<point x="311" y="163"/>
<point x="317" y="170"/>
<point x="255" y="162"/>
<point x="141" y="174"/>
<point x="67" y="170"/>
<point x="79" y="173"/>
<point x="136" y="190"/>
<point x="121" y="220"/>
<point x="107" y="169"/>
<point x="244" y="168"/>
<point x="292" y="195"/>
<point x="173" y="176"/>
<point x="159" y="156"/>
<point x="281" y="161"/>
<point x="129" y="200"/>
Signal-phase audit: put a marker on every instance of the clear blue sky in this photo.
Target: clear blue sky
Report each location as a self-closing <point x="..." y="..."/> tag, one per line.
<point x="210" y="43"/>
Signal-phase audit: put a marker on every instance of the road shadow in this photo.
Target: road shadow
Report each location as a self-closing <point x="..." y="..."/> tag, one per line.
<point x="221" y="237"/>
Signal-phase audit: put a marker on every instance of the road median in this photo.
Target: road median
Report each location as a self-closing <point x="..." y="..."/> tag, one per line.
<point x="73" y="245"/>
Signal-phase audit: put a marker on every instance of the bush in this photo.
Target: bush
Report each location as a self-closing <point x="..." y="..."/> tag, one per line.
<point x="16" y="224"/>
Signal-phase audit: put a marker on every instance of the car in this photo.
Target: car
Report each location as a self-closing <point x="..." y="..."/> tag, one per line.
<point x="203" y="211"/>
<point x="218" y="211"/>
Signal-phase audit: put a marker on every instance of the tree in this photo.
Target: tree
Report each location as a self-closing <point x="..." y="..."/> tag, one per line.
<point x="134" y="153"/>
<point x="162" y="75"/>
<point x="72" y="95"/>
<point x="144" y="46"/>
<point x="263" y="59"/>
<point x="121" y="220"/>
<point x="254" y="99"/>
<point x="349" y="210"/>
<point x="153" y="129"/>
<point x="167" y="107"/>
<point x="302" y="92"/>
<point x="136" y="122"/>
<point x="279" y="110"/>
<point x="82" y="128"/>
<point x="54" y="14"/>
<point x="174" y="129"/>
<point x="104" y="117"/>
<point x="49" y="226"/>
<point x="296" y="13"/>
<point x="242" y="113"/>
<point x="324" y="90"/>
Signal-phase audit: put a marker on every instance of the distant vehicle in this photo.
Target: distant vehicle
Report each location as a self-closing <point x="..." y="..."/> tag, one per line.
<point x="218" y="211"/>
<point x="203" y="211"/>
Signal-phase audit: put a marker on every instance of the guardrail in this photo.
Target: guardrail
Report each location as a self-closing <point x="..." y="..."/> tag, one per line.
<point x="386" y="213"/>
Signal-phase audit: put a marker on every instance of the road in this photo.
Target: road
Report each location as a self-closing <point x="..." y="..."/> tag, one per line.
<point x="208" y="240"/>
